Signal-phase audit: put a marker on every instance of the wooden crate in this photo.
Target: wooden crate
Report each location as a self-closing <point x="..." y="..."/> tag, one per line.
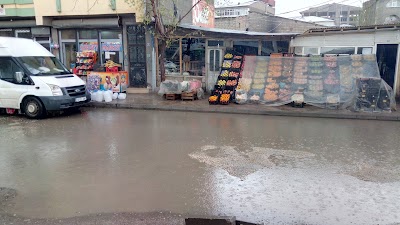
<point x="189" y="96"/>
<point x="172" y="96"/>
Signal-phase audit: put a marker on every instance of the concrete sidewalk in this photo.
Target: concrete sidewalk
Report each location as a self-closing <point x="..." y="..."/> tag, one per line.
<point x="155" y="102"/>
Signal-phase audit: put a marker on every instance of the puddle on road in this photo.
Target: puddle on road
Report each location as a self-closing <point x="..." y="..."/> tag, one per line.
<point x="243" y="163"/>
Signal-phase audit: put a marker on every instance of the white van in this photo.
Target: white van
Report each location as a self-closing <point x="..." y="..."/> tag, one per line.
<point x="33" y="81"/>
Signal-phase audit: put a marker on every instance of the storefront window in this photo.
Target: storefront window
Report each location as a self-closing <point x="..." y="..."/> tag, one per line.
<point x="267" y="48"/>
<point x="283" y="46"/>
<point x="364" y="50"/>
<point x="23" y="33"/>
<point x="338" y="50"/>
<point x="6" y="33"/>
<point x="298" y="50"/>
<point x="215" y="43"/>
<point x="193" y="56"/>
<point x="172" y="58"/>
<point x="69" y="58"/>
<point x="310" y="51"/>
<point x="111" y="46"/>
<point x="110" y="34"/>
<point x="246" y="47"/>
<point x="88" y="34"/>
<point x="68" y="34"/>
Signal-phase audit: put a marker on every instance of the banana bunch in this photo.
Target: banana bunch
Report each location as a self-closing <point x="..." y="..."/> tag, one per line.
<point x="110" y="64"/>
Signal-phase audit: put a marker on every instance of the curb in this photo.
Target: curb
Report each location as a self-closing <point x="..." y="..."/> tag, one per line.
<point x="330" y="115"/>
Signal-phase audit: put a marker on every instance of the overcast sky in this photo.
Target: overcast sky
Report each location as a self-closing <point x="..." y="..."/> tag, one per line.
<point x="283" y="6"/>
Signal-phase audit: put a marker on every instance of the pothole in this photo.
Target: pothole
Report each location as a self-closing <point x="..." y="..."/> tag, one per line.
<point x="7" y="194"/>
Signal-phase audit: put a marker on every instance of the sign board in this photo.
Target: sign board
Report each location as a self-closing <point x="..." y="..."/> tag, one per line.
<point x="2" y="11"/>
<point x="111" y="47"/>
<point x="88" y="46"/>
<point x="203" y="14"/>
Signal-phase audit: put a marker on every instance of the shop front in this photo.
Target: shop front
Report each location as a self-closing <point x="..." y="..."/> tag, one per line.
<point x="382" y="40"/>
<point x="109" y="49"/>
<point x="199" y="52"/>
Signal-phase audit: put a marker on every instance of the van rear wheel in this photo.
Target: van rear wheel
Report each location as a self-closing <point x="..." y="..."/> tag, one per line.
<point x="33" y="108"/>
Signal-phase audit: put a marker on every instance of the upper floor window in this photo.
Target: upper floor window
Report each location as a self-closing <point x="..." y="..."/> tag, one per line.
<point x="393" y="3"/>
<point x="232" y="12"/>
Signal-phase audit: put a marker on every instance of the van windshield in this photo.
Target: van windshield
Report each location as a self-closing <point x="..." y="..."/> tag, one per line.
<point x="44" y="65"/>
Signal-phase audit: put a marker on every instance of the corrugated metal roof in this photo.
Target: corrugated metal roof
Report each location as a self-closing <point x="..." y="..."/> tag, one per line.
<point x="355" y="29"/>
<point x="227" y="31"/>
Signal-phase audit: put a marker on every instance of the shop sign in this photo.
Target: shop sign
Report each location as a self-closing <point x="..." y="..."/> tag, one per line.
<point x="111" y="47"/>
<point x="203" y="14"/>
<point x="88" y="46"/>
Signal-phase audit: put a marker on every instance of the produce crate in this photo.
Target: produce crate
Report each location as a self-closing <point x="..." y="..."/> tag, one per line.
<point x="189" y="96"/>
<point x="172" y="96"/>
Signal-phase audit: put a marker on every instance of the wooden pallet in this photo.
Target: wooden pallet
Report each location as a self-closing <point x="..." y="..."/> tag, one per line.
<point x="189" y="96"/>
<point x="172" y="96"/>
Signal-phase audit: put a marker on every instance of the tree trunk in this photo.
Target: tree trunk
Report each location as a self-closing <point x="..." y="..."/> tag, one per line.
<point x="162" y="47"/>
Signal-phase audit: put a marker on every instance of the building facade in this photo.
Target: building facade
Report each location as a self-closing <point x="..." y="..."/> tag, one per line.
<point x="259" y="22"/>
<point x="17" y="19"/>
<point x="341" y="14"/>
<point x="97" y="25"/>
<point x="380" y="12"/>
<point x="243" y="9"/>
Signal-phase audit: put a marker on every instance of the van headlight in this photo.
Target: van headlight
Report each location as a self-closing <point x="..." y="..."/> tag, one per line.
<point x="56" y="90"/>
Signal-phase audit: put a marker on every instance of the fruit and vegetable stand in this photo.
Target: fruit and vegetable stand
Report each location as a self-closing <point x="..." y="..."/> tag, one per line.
<point x="228" y="80"/>
<point x="350" y="82"/>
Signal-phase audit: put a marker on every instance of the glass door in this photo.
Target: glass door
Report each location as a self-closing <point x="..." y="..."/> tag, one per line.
<point x="69" y="54"/>
<point x="214" y="63"/>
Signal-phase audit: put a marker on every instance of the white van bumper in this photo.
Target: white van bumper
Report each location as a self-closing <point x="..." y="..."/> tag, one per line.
<point x="56" y="103"/>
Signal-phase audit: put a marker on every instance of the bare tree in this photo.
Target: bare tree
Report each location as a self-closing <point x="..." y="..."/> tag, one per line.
<point x="163" y="16"/>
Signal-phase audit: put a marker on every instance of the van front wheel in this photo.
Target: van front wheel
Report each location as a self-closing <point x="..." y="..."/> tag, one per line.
<point x="33" y="108"/>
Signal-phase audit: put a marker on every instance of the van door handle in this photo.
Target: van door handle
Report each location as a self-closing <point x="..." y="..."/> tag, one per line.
<point x="37" y="88"/>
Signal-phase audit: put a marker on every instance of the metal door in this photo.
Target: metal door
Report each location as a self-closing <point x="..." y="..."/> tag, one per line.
<point x="387" y="60"/>
<point x="137" y="56"/>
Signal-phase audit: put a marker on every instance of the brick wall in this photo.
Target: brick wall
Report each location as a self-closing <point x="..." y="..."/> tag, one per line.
<point x="264" y="23"/>
<point x="376" y="12"/>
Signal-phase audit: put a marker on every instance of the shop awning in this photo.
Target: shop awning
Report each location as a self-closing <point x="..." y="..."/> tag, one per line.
<point x="87" y="23"/>
<point x="17" y="23"/>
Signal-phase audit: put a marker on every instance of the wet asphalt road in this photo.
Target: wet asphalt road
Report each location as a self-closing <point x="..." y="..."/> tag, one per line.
<point x="161" y="166"/>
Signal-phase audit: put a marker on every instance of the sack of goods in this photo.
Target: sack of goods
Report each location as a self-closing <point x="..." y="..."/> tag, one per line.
<point x="122" y="96"/>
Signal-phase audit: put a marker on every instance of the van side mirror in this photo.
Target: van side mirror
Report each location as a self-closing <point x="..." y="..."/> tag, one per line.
<point x="19" y="76"/>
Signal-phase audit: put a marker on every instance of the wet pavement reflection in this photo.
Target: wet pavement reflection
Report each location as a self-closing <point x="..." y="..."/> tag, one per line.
<point x="276" y="170"/>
